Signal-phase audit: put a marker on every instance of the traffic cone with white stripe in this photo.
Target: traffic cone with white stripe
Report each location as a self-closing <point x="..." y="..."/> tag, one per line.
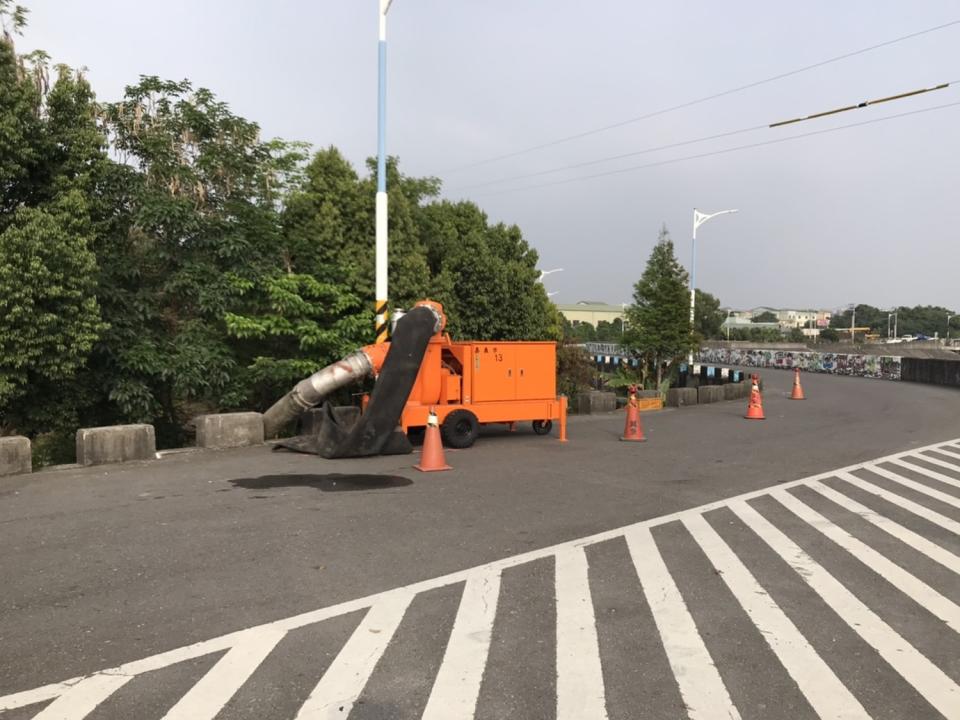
<point x="431" y="457"/>
<point x="797" y="393"/>
<point x="755" y="406"/>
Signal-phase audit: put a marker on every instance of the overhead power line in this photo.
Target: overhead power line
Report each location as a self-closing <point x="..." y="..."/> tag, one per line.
<point x="865" y="103"/>
<point x="725" y="151"/>
<point x="706" y="138"/>
<point x="706" y="98"/>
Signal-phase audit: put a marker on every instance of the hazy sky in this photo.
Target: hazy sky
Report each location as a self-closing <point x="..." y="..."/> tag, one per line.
<point x="870" y="214"/>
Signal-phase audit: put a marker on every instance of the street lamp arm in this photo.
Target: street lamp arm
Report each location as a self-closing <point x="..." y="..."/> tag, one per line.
<point x="700" y="218"/>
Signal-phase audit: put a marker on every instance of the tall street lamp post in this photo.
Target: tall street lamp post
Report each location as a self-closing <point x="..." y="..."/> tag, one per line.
<point x="699" y="219"/>
<point x="948" y="327"/>
<point x="380" y="323"/>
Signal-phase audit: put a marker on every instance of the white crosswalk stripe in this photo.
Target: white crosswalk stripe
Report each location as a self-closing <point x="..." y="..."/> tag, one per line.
<point x="824" y="691"/>
<point x="457" y="685"/>
<point x="701" y="686"/>
<point x="858" y="533"/>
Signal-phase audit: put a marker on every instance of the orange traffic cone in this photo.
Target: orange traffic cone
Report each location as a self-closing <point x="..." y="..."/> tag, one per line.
<point x="632" y="431"/>
<point x="797" y="393"/>
<point x="755" y="407"/>
<point x="431" y="457"/>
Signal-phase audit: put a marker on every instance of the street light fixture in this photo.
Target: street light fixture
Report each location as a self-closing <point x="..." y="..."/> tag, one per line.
<point x="380" y="323"/>
<point x="544" y="273"/>
<point x="699" y="219"/>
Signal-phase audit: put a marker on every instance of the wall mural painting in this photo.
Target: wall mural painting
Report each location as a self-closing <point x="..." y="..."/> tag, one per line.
<point x="886" y="367"/>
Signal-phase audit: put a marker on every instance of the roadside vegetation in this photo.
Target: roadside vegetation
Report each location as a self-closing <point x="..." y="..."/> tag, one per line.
<point x="161" y="258"/>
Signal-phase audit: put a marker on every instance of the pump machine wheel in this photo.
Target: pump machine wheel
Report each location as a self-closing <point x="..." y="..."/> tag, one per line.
<point x="542" y="427"/>
<point x="460" y="429"/>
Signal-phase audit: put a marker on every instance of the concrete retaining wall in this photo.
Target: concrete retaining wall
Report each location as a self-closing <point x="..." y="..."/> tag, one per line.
<point x="115" y="443"/>
<point x="595" y="401"/>
<point x="678" y="397"/>
<point x="710" y="394"/>
<point x="15" y="455"/>
<point x="229" y="430"/>
<point x="732" y="391"/>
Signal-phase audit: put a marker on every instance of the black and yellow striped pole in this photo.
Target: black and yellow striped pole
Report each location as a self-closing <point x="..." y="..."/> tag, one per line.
<point x="382" y="325"/>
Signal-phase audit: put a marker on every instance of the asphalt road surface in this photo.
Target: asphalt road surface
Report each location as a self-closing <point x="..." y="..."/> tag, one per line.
<point x="804" y="566"/>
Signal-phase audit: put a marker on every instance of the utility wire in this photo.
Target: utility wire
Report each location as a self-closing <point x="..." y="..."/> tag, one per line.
<point x="726" y="150"/>
<point x="705" y="138"/>
<point x="609" y="158"/>
<point x="704" y="99"/>
<point x="865" y="103"/>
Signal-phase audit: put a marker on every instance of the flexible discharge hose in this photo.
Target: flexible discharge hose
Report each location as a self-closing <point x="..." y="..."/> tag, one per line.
<point x="314" y="389"/>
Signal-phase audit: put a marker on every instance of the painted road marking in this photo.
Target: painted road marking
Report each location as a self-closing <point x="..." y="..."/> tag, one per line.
<point x="700" y="683"/>
<point x="916" y="508"/>
<point x="457" y="687"/>
<point x="901" y="533"/>
<point x="914" y="485"/>
<point x="455" y="690"/>
<point x="205" y="699"/>
<point x="931" y="682"/>
<point x="822" y="688"/>
<point x="580" y="692"/>
<point x="906" y="583"/>
<point x="344" y="680"/>
<point x="946" y="479"/>
<point x="83" y="698"/>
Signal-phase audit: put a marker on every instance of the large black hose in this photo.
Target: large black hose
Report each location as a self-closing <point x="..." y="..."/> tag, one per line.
<point x="370" y="434"/>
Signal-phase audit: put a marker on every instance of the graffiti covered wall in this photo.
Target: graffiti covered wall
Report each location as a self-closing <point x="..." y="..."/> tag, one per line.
<point x="886" y="367"/>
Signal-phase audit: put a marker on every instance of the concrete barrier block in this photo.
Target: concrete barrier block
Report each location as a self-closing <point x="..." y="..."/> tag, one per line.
<point x="678" y="397"/>
<point x="648" y="393"/>
<point x="15" y="455"/>
<point x="732" y="391"/>
<point x="115" y="443"/>
<point x="745" y="387"/>
<point x="229" y="430"/>
<point x="709" y="394"/>
<point x="592" y="402"/>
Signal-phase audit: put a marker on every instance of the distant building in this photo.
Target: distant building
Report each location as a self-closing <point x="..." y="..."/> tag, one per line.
<point x="810" y="321"/>
<point x="591" y="313"/>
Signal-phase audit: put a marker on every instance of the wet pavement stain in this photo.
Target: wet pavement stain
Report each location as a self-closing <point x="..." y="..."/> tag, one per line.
<point x="334" y="482"/>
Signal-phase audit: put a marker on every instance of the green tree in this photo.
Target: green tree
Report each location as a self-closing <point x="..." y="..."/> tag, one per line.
<point x="49" y="317"/>
<point x="201" y="198"/>
<point x="485" y="275"/>
<point x="659" y="320"/>
<point x="765" y="317"/>
<point x="708" y="317"/>
<point x="828" y="334"/>
<point x="611" y="332"/>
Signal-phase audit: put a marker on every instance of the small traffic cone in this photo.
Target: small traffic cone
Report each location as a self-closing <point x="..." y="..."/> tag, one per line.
<point x="632" y="431"/>
<point x="431" y="457"/>
<point x="755" y="406"/>
<point x="797" y="393"/>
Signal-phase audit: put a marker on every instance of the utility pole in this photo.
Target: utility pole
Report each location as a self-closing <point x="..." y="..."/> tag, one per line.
<point x="382" y="266"/>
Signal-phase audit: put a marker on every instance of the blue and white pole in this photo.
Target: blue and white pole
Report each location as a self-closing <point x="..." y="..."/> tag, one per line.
<point x="381" y="322"/>
<point x="699" y="219"/>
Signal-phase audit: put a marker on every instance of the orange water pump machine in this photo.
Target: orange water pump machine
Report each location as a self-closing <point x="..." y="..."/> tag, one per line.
<point x="474" y="383"/>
